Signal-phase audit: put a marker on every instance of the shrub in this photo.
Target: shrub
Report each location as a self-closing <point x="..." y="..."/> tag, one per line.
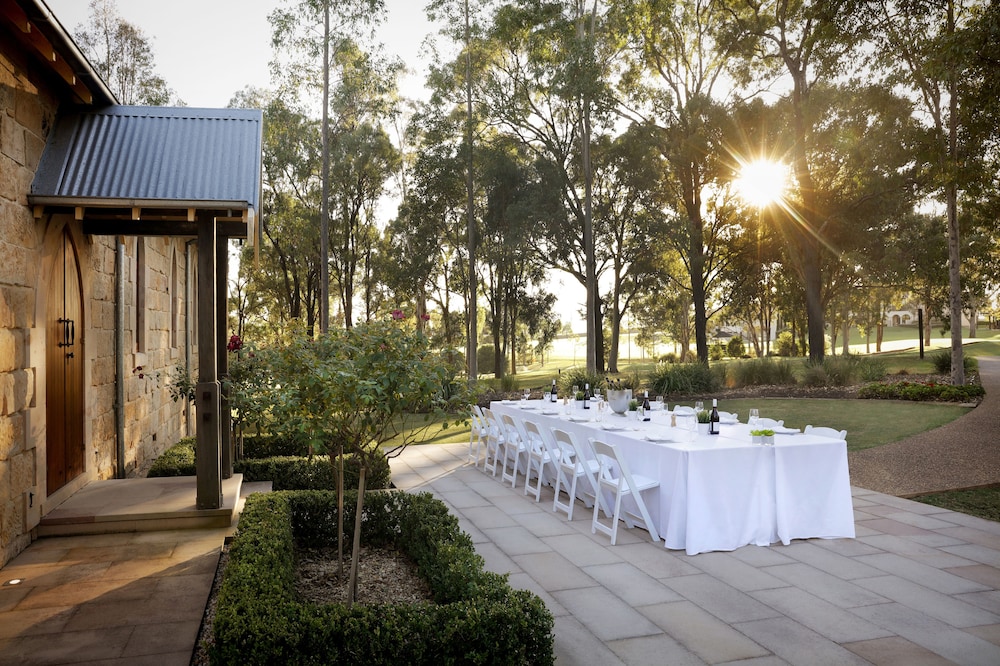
<point x="508" y="383"/>
<point x="922" y="391"/>
<point x="841" y="370"/>
<point x="716" y="351"/>
<point x="815" y="375"/>
<point x="872" y="369"/>
<point x="285" y="472"/>
<point x="762" y="372"/>
<point x="579" y="377"/>
<point x="267" y="446"/>
<point x="941" y="359"/>
<point x="476" y="618"/>
<point x="735" y="348"/>
<point x="484" y="360"/>
<point x="784" y="345"/>
<point x="683" y="379"/>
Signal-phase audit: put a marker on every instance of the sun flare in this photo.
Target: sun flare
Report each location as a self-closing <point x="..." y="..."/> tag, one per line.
<point x="762" y="182"/>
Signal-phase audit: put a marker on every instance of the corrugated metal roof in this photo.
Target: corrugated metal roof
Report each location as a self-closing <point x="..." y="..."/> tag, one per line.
<point x="150" y="153"/>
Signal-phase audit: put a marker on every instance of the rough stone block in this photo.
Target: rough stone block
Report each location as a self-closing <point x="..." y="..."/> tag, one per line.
<point x="12" y="140"/>
<point x="30" y="113"/>
<point x="24" y="389"/>
<point x="9" y="356"/>
<point x="11" y="435"/>
<point x="22" y="473"/>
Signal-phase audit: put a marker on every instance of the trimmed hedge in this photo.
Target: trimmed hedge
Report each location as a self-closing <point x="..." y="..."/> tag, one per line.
<point x="920" y="391"/>
<point x="476" y="617"/>
<point x="284" y="472"/>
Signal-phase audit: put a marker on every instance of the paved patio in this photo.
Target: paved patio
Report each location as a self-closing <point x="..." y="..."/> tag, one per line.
<point x="919" y="585"/>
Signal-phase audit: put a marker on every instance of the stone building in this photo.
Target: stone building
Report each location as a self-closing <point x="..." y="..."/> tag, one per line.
<point x="99" y="270"/>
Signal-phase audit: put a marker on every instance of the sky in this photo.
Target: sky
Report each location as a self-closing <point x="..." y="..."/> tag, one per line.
<point x="206" y="50"/>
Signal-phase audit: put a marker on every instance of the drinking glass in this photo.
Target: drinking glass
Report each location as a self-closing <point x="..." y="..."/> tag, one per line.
<point x="699" y="406"/>
<point x="659" y="403"/>
<point x="527" y="392"/>
<point x="546" y="397"/>
<point x="754" y="419"/>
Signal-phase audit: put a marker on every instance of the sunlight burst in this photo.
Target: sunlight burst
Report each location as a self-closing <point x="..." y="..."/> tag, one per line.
<point x="762" y="182"/>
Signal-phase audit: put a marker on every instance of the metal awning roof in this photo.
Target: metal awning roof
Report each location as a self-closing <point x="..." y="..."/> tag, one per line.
<point x="148" y="163"/>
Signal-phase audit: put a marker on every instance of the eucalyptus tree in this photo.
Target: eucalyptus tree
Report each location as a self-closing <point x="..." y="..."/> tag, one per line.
<point x="123" y="55"/>
<point x="941" y="52"/>
<point x="286" y="279"/>
<point x="803" y="43"/>
<point x="674" y="83"/>
<point x="628" y="205"/>
<point x="303" y="34"/>
<point x="546" y="85"/>
<point x="512" y="276"/>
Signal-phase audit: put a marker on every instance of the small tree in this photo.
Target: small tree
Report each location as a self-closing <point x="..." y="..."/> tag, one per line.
<point x="349" y="391"/>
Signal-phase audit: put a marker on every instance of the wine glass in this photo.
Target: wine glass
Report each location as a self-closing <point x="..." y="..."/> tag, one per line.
<point x="659" y="403"/>
<point x="699" y="406"/>
<point x="527" y="392"/>
<point x="754" y="419"/>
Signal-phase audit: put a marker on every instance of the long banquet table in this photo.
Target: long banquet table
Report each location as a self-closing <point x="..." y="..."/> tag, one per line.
<point x="720" y="492"/>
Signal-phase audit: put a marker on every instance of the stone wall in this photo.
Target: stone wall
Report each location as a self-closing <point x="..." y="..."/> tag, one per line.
<point x="26" y="113"/>
<point x="154" y="421"/>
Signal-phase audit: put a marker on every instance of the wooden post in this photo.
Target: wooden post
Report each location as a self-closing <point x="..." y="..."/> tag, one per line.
<point x="207" y="395"/>
<point x="222" y="332"/>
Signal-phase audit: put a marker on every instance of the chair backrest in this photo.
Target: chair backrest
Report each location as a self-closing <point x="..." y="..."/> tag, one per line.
<point x="570" y="453"/>
<point x="769" y="423"/>
<point x="493" y="427"/>
<point x="535" y="440"/>
<point x="511" y="428"/>
<point x="683" y="410"/>
<point x="613" y="467"/>
<point x="727" y="415"/>
<point x="823" y="431"/>
<point x="477" y="418"/>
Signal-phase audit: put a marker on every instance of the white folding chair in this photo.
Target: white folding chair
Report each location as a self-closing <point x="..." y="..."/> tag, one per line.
<point x="616" y="477"/>
<point x="494" y="441"/>
<point x="540" y="456"/>
<point x="823" y="431"/>
<point x="572" y="464"/>
<point x="513" y="448"/>
<point x="769" y="423"/>
<point x="477" y="433"/>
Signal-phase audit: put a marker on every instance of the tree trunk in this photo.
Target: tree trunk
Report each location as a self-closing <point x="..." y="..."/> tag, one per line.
<point x="954" y="263"/>
<point x="339" y="465"/>
<point x="352" y="589"/>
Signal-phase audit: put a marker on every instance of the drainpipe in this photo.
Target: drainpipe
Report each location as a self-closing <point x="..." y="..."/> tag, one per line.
<point x="188" y="318"/>
<point x="120" y="358"/>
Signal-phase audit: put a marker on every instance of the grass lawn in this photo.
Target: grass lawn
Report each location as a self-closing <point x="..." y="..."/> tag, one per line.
<point x="982" y="502"/>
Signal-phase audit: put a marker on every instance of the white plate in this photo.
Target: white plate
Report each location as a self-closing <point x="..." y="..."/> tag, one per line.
<point x="615" y="428"/>
<point x="579" y="419"/>
<point x="660" y="439"/>
<point x="550" y="412"/>
<point x="782" y="430"/>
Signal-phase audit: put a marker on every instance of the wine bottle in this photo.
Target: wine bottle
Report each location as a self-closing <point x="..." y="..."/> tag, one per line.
<point x="555" y="394"/>
<point x="646" y="407"/>
<point x="586" y="396"/>
<point x="713" y="419"/>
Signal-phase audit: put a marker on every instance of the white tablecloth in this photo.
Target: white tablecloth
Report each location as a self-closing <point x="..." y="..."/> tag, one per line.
<point x="720" y="492"/>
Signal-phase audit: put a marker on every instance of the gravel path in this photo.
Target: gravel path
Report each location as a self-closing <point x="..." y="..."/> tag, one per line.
<point x="962" y="454"/>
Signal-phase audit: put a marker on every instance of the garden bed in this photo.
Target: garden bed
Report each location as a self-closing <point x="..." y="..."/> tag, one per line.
<point x="475" y="616"/>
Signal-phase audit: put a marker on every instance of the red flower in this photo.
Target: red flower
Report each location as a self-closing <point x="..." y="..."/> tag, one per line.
<point x="397" y="314"/>
<point x="235" y="343"/>
<point x="425" y="317"/>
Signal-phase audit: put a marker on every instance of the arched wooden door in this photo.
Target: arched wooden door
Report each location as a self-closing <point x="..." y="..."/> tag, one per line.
<point x="64" y="446"/>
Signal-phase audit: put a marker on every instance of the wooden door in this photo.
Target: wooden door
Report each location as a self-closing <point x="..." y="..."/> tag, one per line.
<point x="64" y="446"/>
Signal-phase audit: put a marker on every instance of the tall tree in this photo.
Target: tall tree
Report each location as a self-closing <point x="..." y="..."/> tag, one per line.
<point x="938" y="52"/>
<point x="803" y="42"/>
<point x="675" y="65"/>
<point x="123" y="56"/>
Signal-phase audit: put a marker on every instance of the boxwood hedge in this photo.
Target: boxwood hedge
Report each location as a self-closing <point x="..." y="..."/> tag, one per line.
<point x="476" y="617"/>
<point x="284" y="472"/>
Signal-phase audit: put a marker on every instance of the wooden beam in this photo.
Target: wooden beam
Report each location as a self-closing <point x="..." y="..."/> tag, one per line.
<point x="122" y="227"/>
<point x="208" y="389"/>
